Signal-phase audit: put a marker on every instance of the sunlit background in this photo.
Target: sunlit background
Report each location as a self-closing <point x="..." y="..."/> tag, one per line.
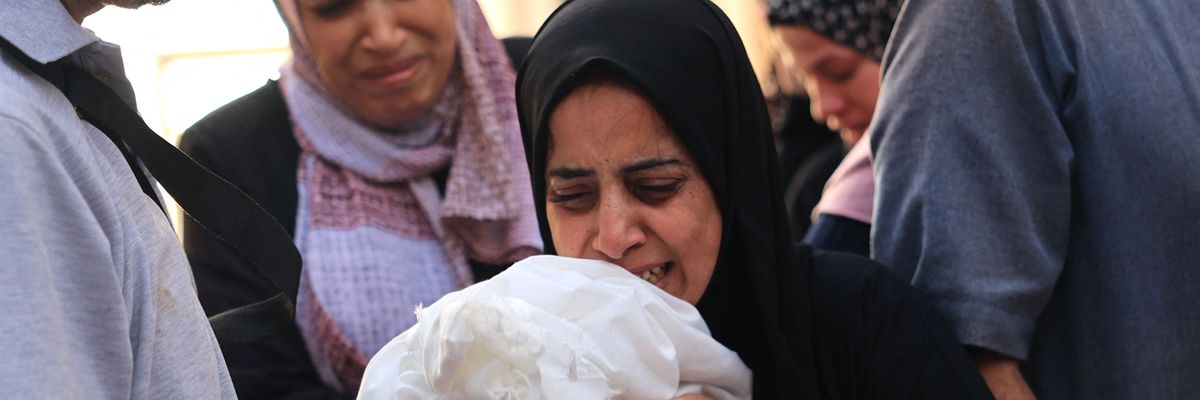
<point x="189" y="57"/>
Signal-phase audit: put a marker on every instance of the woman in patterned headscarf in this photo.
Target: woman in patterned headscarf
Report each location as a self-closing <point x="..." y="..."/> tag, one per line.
<point x="836" y="46"/>
<point x="390" y="147"/>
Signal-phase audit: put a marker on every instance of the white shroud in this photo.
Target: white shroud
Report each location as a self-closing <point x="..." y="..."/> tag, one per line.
<point x="556" y="328"/>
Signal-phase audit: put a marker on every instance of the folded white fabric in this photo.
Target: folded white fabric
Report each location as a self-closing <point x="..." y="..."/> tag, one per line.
<point x="556" y="328"/>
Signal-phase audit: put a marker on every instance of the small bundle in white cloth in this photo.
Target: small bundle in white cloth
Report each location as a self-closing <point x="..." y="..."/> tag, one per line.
<point x="557" y="328"/>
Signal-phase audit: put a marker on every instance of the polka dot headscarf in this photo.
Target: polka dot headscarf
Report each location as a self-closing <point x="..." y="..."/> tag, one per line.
<point x="863" y="25"/>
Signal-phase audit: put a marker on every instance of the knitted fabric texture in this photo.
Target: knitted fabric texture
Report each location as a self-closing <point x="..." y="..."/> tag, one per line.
<point x="863" y="25"/>
<point x="377" y="237"/>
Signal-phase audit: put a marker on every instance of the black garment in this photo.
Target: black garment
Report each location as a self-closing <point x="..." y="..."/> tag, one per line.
<point x="838" y="233"/>
<point x="250" y="143"/>
<point x="801" y="137"/>
<point x="516" y="47"/>
<point x="810" y="154"/>
<point x="807" y="185"/>
<point x="808" y="326"/>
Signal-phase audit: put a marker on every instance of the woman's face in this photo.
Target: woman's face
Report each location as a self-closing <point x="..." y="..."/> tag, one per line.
<point x="621" y="188"/>
<point x="842" y="84"/>
<point x="387" y="60"/>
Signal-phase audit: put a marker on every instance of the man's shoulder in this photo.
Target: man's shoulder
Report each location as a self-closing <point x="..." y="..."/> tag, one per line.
<point x="29" y="104"/>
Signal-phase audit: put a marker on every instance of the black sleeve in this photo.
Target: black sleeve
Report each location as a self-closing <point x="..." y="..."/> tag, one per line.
<point x="233" y="142"/>
<point x="883" y="339"/>
<point x="807" y="183"/>
<point x="249" y="143"/>
<point x="838" y="233"/>
<point x="224" y="280"/>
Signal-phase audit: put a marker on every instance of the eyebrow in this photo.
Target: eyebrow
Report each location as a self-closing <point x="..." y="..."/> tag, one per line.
<point x="649" y="164"/>
<point x="571" y="173"/>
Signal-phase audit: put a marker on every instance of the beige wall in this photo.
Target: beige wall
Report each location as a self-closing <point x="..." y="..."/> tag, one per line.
<point x="517" y="17"/>
<point x="750" y="19"/>
<point x="524" y="17"/>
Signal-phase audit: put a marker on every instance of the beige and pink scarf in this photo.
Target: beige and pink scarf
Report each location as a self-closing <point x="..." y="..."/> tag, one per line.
<point x="377" y="235"/>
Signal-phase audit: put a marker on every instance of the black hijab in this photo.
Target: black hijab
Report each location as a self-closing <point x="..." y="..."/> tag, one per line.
<point x="686" y="57"/>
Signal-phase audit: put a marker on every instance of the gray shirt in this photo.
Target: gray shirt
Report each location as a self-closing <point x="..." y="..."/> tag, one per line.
<point x="1038" y="170"/>
<point x="96" y="297"/>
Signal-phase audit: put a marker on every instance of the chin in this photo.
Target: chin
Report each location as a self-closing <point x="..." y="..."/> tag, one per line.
<point x="395" y="114"/>
<point x="851" y="136"/>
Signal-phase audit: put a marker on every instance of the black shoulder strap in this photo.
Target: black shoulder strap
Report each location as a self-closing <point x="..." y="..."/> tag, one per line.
<point x="56" y="75"/>
<point x="215" y="204"/>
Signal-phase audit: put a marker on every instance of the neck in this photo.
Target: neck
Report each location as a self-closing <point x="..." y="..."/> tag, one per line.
<point x="80" y="9"/>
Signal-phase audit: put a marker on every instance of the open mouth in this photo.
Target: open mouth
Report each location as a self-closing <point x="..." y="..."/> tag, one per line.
<point x="653" y="275"/>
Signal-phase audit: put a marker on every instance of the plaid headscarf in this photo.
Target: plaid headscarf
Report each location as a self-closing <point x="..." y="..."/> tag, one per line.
<point x="863" y="25"/>
<point x="377" y="237"/>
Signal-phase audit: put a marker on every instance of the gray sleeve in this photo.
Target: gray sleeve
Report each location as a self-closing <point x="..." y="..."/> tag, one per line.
<point x="973" y="166"/>
<point x="62" y="316"/>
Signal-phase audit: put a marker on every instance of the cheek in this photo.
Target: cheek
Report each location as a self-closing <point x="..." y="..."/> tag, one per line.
<point x="814" y="94"/>
<point x="569" y="232"/>
<point x="332" y="54"/>
<point x="331" y="42"/>
<point x="440" y="32"/>
<point x="705" y="261"/>
<point x="694" y="235"/>
<point x="448" y="40"/>
<point x="866" y="91"/>
<point x="695" y="239"/>
<point x="705" y="237"/>
<point x="691" y="227"/>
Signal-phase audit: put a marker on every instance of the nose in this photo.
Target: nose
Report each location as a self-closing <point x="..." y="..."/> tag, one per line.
<point x="620" y="229"/>
<point x="383" y="32"/>
<point x="827" y="101"/>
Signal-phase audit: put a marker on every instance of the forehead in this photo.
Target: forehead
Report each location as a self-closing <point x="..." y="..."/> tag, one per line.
<point x="608" y="122"/>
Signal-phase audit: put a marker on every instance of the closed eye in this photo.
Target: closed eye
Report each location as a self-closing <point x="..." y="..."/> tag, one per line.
<point x="575" y="197"/>
<point x="332" y="9"/>
<point x="844" y="75"/>
<point x="656" y="191"/>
